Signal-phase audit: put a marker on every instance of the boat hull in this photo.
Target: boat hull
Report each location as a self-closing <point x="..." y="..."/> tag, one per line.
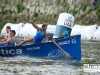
<point x="71" y="45"/>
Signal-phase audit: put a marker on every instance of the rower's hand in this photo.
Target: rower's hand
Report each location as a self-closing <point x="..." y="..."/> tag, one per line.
<point x="16" y="44"/>
<point x="47" y="33"/>
<point x="2" y="36"/>
<point x="31" y="21"/>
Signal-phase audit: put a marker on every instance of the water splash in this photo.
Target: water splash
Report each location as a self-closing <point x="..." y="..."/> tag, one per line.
<point x="55" y="53"/>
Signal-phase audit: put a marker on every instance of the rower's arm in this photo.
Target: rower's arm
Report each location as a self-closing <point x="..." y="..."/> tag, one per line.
<point x="34" y="25"/>
<point x="47" y="36"/>
<point x="2" y="36"/>
<point x="5" y="42"/>
<point x="47" y="33"/>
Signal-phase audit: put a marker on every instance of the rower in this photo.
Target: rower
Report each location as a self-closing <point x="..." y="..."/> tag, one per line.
<point x="10" y="41"/>
<point x="8" y="28"/>
<point x="39" y="35"/>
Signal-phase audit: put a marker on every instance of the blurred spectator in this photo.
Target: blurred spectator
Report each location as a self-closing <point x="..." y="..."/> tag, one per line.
<point x="95" y="2"/>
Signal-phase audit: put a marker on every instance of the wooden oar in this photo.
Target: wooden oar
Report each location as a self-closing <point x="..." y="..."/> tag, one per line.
<point x="67" y="55"/>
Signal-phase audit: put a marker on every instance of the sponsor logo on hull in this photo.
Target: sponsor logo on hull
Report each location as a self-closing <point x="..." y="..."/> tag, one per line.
<point x="64" y="42"/>
<point x="11" y="51"/>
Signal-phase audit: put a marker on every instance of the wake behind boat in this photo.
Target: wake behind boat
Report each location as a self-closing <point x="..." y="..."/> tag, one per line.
<point x="71" y="45"/>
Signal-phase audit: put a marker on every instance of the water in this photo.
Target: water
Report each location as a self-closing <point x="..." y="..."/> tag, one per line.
<point x="52" y="66"/>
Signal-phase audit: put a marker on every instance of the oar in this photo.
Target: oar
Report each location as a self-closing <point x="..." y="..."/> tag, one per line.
<point x="67" y="55"/>
<point x="81" y="31"/>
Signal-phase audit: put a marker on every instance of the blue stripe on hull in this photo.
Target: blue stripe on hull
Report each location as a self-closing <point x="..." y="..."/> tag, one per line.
<point x="71" y="45"/>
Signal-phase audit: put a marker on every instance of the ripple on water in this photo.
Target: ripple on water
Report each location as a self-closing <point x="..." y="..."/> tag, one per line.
<point x="37" y="66"/>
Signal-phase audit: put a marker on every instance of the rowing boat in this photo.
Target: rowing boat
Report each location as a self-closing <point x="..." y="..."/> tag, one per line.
<point x="71" y="45"/>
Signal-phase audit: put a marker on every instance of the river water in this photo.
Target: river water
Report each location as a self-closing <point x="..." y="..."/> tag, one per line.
<point x="52" y="66"/>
